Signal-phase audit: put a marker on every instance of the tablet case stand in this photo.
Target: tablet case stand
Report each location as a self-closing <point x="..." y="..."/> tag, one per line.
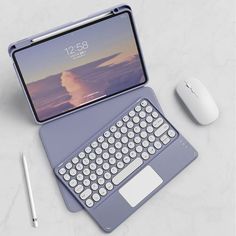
<point x="60" y="137"/>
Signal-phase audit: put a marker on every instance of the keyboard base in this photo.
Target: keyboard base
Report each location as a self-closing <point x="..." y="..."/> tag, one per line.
<point x="115" y="209"/>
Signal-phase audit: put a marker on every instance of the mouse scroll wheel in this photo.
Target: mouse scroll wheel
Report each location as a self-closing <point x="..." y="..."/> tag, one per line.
<point x="188" y="85"/>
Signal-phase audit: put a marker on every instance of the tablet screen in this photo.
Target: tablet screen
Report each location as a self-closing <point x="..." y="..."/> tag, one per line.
<point x="82" y="66"/>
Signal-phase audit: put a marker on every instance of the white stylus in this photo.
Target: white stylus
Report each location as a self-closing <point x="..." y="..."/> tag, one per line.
<point x="31" y="199"/>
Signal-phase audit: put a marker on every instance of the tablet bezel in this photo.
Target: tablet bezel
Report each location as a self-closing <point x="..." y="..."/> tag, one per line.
<point x="113" y="14"/>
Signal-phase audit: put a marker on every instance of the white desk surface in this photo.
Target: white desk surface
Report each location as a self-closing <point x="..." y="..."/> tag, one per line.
<point x="179" y="38"/>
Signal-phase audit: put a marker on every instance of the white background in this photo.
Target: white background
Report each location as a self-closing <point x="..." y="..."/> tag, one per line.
<point x="179" y="38"/>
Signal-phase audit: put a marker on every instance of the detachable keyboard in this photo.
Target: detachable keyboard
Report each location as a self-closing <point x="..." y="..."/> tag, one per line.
<point x="120" y="149"/>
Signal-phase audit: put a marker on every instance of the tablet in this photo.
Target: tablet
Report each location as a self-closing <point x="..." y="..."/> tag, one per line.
<point x="80" y="66"/>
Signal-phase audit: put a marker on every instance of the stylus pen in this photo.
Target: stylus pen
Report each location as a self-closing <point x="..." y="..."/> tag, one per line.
<point x="31" y="199"/>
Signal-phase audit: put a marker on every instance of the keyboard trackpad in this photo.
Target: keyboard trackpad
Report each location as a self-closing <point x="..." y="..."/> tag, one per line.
<point x="140" y="186"/>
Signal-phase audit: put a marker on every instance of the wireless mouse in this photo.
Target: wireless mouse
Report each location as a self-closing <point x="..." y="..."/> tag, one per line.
<point x="198" y="100"/>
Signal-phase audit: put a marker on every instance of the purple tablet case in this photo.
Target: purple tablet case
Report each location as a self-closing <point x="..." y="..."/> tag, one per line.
<point x="60" y="137"/>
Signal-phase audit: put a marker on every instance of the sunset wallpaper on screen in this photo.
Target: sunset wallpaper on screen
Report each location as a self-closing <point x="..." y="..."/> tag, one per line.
<point x="58" y="81"/>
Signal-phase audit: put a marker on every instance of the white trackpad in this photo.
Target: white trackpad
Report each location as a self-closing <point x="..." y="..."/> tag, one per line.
<point x="140" y="186"/>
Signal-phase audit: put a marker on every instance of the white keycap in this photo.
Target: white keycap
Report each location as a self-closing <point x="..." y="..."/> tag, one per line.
<point x="131" y="145"/>
<point x="143" y="124"/>
<point x="137" y="139"/>
<point x="102" y="191"/>
<point x="145" y="143"/>
<point x="94" y="186"/>
<point x="86" y="171"/>
<point x="149" y="129"/>
<point x="100" y="139"/>
<point x="112" y="160"/>
<point x="62" y="171"/>
<point x="171" y="133"/>
<point x="123" y="130"/>
<point x="148" y="109"/>
<point x="118" y="155"/>
<point x="126" y="159"/>
<point x="73" y="172"/>
<point x="89" y="202"/>
<point x="93" y="177"/>
<point x="82" y="155"/>
<point x="129" y="169"/>
<point x="98" y="150"/>
<point x="142" y="114"/>
<point x="68" y="165"/>
<point x="101" y="181"/>
<point x="105" y="155"/>
<point x="151" y="150"/>
<point x="99" y="171"/>
<point x="112" y="150"/>
<point x="130" y="124"/>
<point x="132" y="113"/>
<point x="85" y="161"/>
<point x="92" y="156"/>
<point x="144" y="103"/>
<point x="139" y="149"/>
<point x="79" y="177"/>
<point x="143" y="134"/>
<point x="107" y="134"/>
<point x="111" y="140"/>
<point x="105" y="166"/>
<point x="79" y="166"/>
<point x="120" y="164"/>
<point x="136" y="119"/>
<point x="137" y="129"/>
<point x="138" y="108"/>
<point x="157" y="122"/>
<point x="114" y="170"/>
<point x="161" y="130"/>
<point x="167" y="140"/>
<point x="124" y="150"/>
<point x="118" y="145"/>
<point x="88" y="149"/>
<point x="157" y="145"/>
<point x="133" y="154"/>
<point x="113" y="129"/>
<point x="86" y="182"/>
<point x="105" y="145"/>
<point x="73" y="183"/>
<point x="96" y="197"/>
<point x="75" y="160"/>
<point x="117" y="134"/>
<point x="155" y="114"/>
<point x="151" y="138"/>
<point x="94" y="144"/>
<point x="66" y="177"/>
<point x="99" y="161"/>
<point x="130" y="134"/>
<point x="86" y="193"/>
<point x="145" y="155"/>
<point x="119" y="123"/>
<point x="109" y="186"/>
<point x="79" y="188"/>
<point x="149" y="119"/>
<point x="163" y="137"/>
<point x="107" y="175"/>
<point x="124" y="139"/>
<point x="125" y="118"/>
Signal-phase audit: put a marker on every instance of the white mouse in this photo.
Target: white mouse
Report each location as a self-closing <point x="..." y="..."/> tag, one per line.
<point x="198" y="100"/>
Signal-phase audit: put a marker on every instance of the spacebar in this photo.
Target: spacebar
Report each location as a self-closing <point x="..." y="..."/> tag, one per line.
<point x="127" y="171"/>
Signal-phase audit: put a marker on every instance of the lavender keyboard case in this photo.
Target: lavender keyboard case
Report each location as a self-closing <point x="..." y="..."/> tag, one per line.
<point x="61" y="137"/>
